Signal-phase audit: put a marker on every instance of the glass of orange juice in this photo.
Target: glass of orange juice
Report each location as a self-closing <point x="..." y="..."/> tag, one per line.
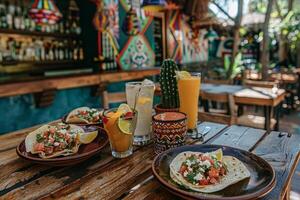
<point x="189" y="89"/>
<point x="120" y="125"/>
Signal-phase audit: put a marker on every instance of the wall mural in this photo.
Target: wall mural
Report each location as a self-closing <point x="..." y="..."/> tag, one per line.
<point x="182" y="47"/>
<point x="137" y="53"/>
<point x="112" y="11"/>
<point x="174" y="36"/>
<point x="195" y="49"/>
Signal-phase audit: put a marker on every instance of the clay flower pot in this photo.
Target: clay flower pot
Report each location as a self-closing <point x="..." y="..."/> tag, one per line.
<point x="158" y="109"/>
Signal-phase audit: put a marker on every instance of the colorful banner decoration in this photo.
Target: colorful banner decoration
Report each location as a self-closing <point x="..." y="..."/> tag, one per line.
<point x="153" y="5"/>
<point x="44" y="12"/>
<point x="137" y="53"/>
<point x="131" y="25"/>
<point x="107" y="16"/>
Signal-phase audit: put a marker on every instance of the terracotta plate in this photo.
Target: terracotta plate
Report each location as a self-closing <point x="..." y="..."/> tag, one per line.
<point x="85" y="151"/>
<point x="261" y="182"/>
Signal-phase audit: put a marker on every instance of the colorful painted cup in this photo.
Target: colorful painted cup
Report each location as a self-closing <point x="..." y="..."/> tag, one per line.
<point x="169" y="130"/>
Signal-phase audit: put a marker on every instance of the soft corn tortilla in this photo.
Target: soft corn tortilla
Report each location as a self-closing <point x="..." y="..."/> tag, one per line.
<point x="72" y="117"/>
<point x="237" y="171"/>
<point x="30" y="141"/>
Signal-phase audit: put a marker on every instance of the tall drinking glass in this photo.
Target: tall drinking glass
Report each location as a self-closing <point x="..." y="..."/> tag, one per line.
<point x="139" y="96"/>
<point x="189" y="89"/>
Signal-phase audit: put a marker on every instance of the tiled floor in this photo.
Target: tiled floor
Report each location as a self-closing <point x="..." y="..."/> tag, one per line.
<point x="291" y="123"/>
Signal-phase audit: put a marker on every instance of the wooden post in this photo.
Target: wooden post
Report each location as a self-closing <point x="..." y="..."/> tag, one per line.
<point x="265" y="43"/>
<point x="236" y="37"/>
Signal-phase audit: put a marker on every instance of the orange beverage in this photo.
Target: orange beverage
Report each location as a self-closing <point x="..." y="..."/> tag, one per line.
<point x="119" y="128"/>
<point x="188" y="89"/>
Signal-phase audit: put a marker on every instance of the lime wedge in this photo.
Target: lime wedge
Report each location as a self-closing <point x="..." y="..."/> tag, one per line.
<point x="183" y="75"/>
<point x="125" y="125"/>
<point x="219" y="154"/>
<point x="124" y="108"/>
<point x="86" y="138"/>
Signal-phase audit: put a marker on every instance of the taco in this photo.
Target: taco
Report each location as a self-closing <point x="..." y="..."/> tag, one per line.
<point x="51" y="141"/>
<point x="84" y="115"/>
<point x="207" y="172"/>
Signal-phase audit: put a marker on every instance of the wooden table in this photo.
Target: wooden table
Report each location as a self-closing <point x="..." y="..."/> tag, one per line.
<point x="252" y="96"/>
<point x="256" y="96"/>
<point x="103" y="177"/>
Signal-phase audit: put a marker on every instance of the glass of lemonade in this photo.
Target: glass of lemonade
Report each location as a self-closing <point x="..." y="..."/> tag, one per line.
<point x="189" y="89"/>
<point x="119" y="125"/>
<point x="139" y="96"/>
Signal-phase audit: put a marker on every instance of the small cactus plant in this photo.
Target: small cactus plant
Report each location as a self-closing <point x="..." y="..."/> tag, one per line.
<point x="168" y="84"/>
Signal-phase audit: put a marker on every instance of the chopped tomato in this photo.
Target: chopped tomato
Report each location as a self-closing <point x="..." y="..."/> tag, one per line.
<point x="83" y="112"/>
<point x="105" y="120"/>
<point x="48" y="150"/>
<point x="39" y="147"/>
<point x="213" y="173"/>
<point x="51" y="140"/>
<point x="183" y="168"/>
<point x="52" y="130"/>
<point x="203" y="158"/>
<point x="46" y="134"/>
<point x="222" y="171"/>
<point x="67" y="136"/>
<point x="204" y="182"/>
<point x="213" y="180"/>
<point x="96" y="118"/>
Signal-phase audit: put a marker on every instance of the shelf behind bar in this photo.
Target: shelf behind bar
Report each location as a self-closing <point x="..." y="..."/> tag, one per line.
<point x="40" y="34"/>
<point x="28" y="87"/>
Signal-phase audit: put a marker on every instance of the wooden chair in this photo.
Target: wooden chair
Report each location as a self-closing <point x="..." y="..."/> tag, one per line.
<point x="264" y="84"/>
<point x="209" y="114"/>
<point x="115" y="97"/>
<point x="250" y="118"/>
<point x="230" y="117"/>
<point x="215" y="81"/>
<point x="107" y="97"/>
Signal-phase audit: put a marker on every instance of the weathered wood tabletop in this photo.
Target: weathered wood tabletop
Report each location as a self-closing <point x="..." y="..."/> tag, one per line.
<point x="103" y="177"/>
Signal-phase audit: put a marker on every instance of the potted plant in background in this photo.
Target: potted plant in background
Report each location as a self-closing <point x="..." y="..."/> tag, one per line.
<point x="169" y="90"/>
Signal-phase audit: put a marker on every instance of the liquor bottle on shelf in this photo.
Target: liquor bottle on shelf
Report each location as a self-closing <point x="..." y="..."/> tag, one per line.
<point x="78" y="28"/>
<point x="37" y="49"/>
<point x="10" y="9"/>
<point x="61" y="27"/>
<point x="26" y="20"/>
<point x="22" y="16"/>
<point x="66" y="50"/>
<point x="3" y="20"/>
<point x="17" y="17"/>
<point x="67" y="25"/>
<point x="32" y="26"/>
<point x="75" y="50"/>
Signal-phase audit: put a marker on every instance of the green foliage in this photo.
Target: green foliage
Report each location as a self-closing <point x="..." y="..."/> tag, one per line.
<point x="168" y="83"/>
<point x="236" y="66"/>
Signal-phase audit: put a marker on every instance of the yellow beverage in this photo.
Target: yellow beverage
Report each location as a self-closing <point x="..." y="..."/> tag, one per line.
<point x="189" y="88"/>
<point x="120" y="141"/>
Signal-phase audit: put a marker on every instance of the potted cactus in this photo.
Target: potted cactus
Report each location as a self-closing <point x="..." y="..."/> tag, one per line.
<point x="169" y="90"/>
